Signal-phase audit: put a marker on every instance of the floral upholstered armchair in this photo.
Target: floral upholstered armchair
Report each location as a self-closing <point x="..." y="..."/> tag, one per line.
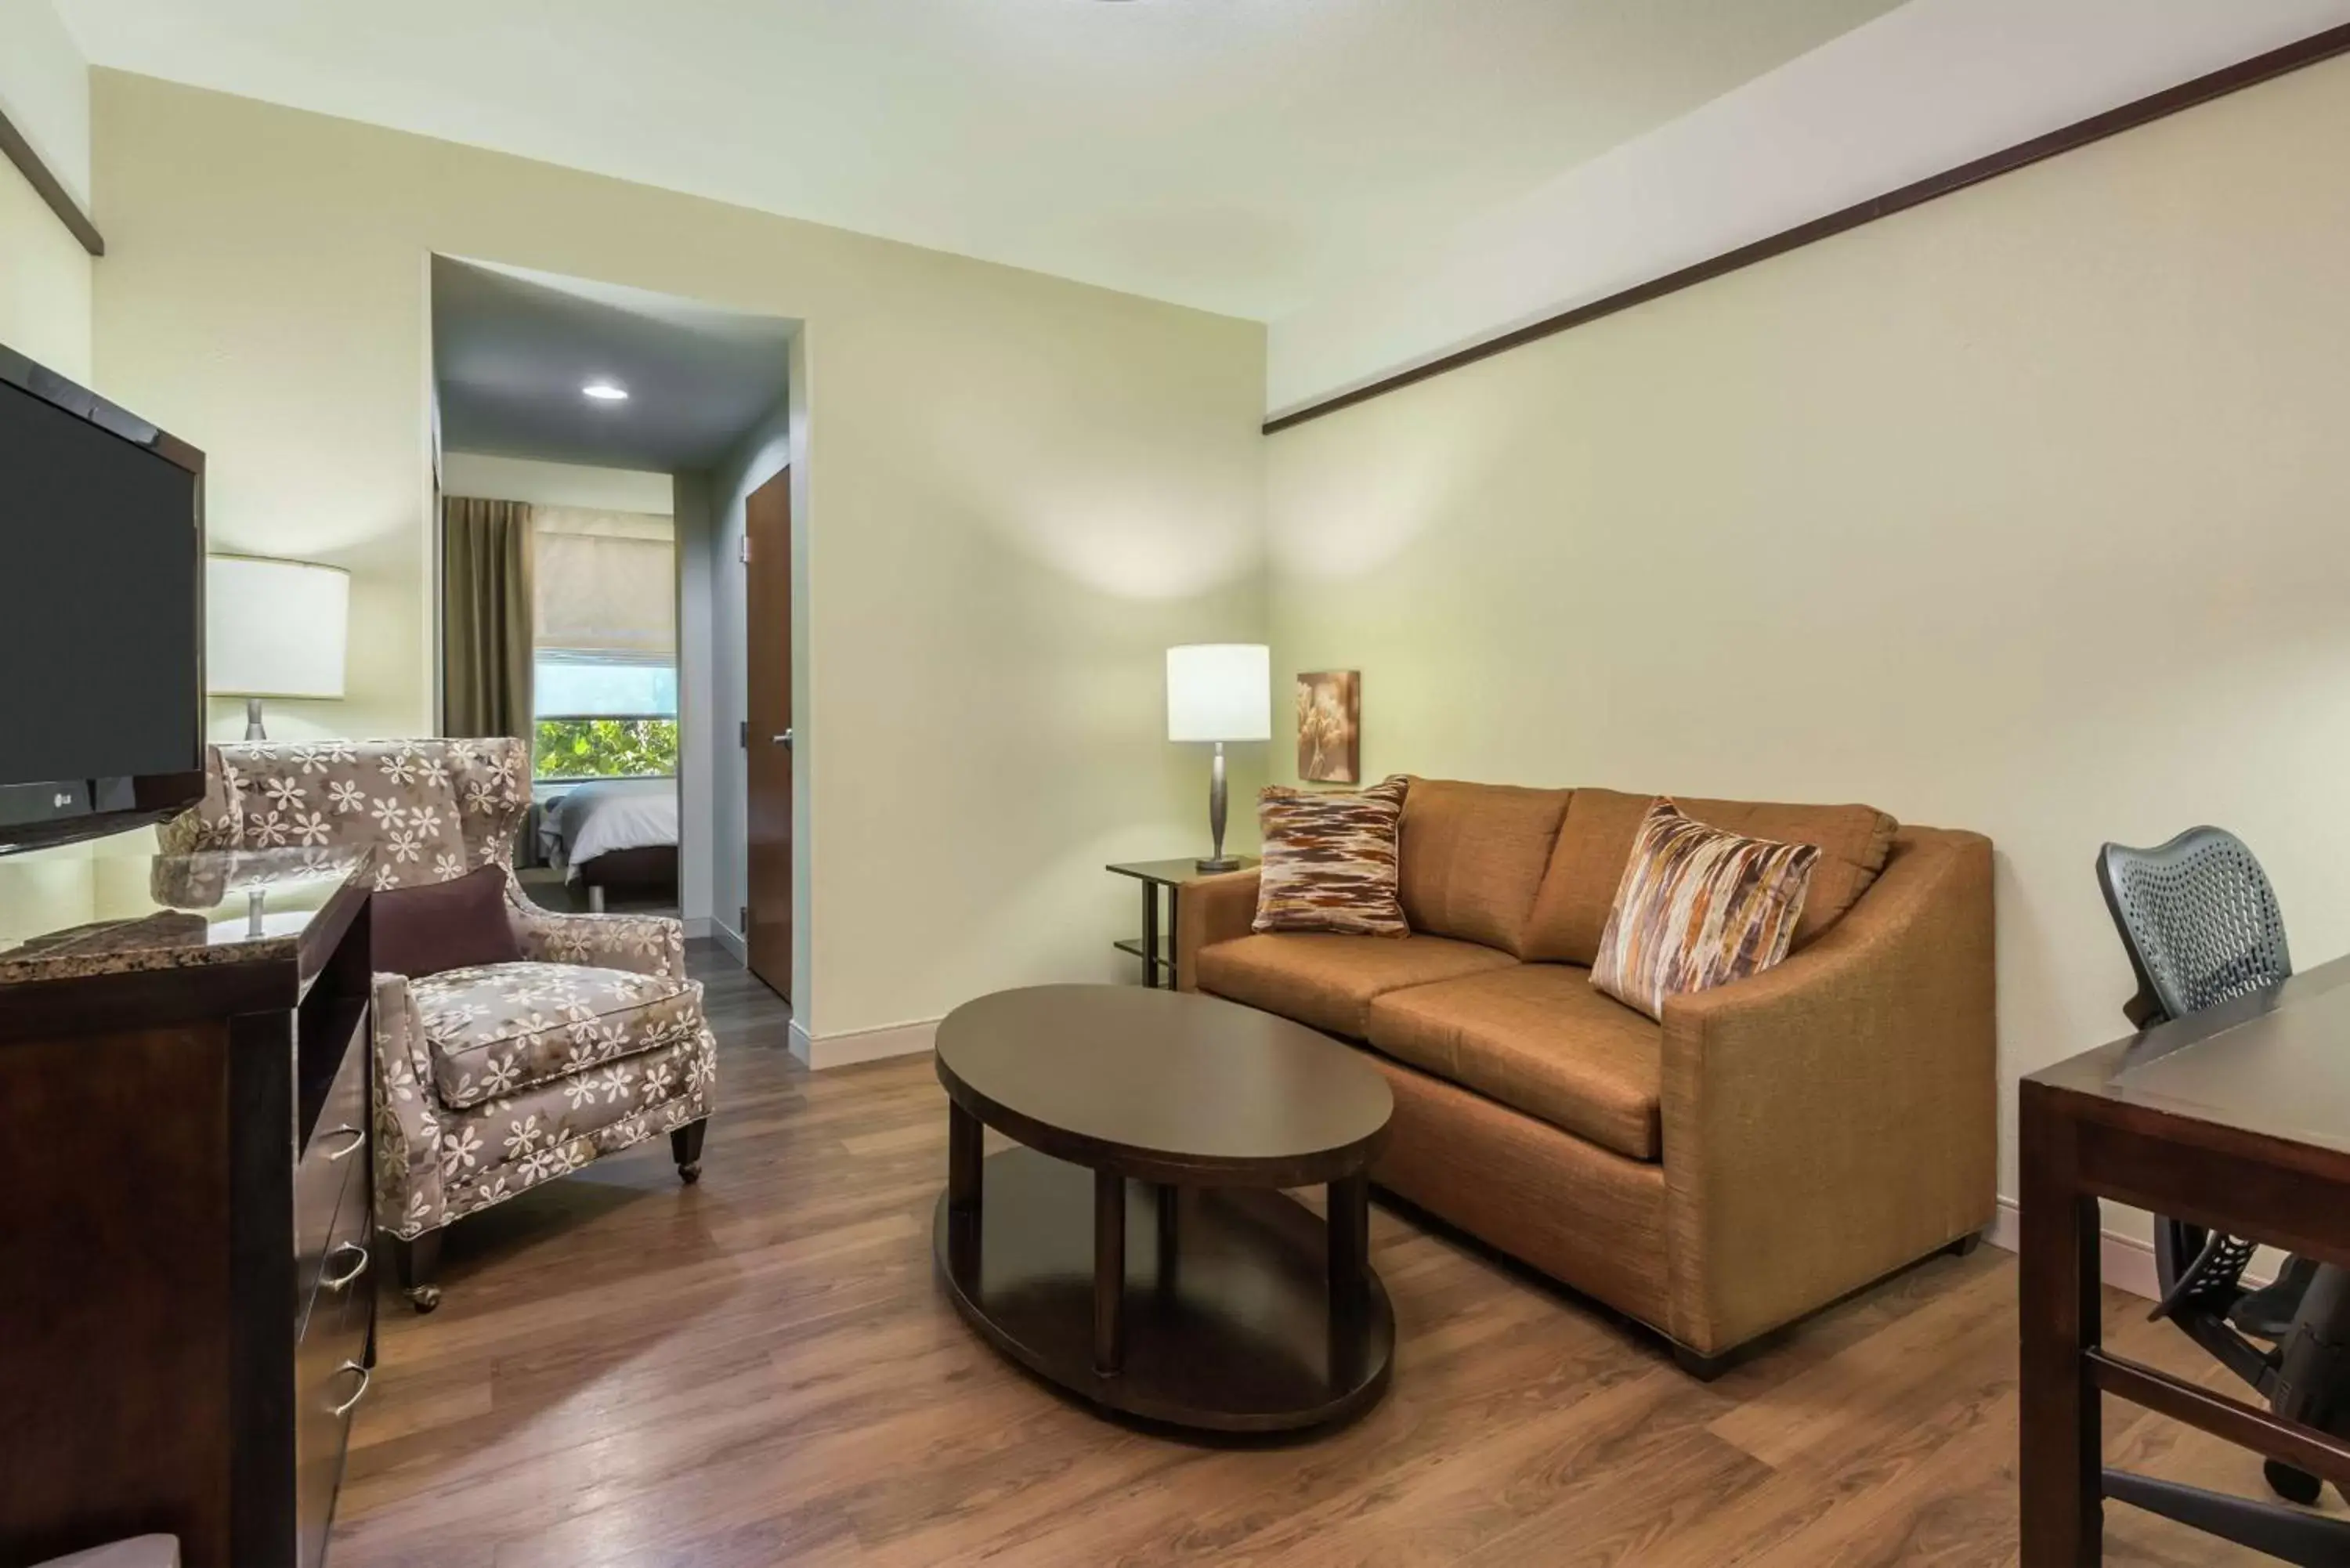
<point x="489" y="1078"/>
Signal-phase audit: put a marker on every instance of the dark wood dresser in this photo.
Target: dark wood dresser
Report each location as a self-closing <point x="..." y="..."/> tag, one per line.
<point x="187" y="1279"/>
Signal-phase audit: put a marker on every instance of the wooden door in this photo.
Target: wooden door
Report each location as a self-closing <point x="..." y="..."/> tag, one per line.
<point x="767" y="646"/>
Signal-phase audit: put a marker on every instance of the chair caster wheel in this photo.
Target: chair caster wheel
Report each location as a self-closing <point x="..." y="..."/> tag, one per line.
<point x="689" y="1174"/>
<point x="2292" y="1485"/>
<point x="424" y="1298"/>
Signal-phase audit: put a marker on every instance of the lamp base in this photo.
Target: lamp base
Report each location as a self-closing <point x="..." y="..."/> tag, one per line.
<point x="252" y="730"/>
<point x="1220" y="863"/>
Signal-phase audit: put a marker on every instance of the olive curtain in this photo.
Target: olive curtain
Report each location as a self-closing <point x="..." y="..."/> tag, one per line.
<point x="485" y="618"/>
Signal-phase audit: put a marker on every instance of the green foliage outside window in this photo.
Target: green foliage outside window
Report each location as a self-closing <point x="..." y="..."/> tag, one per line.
<point x="605" y="748"/>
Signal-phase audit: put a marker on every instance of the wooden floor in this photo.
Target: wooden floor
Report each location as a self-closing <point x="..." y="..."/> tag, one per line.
<point x="761" y="1370"/>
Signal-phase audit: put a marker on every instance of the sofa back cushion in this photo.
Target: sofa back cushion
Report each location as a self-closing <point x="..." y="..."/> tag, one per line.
<point x="1596" y="841"/>
<point x="1472" y="858"/>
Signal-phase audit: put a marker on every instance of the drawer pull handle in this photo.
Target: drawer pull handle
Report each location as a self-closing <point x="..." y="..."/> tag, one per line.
<point x="343" y="1280"/>
<point x="357" y="1393"/>
<point x="358" y="1138"/>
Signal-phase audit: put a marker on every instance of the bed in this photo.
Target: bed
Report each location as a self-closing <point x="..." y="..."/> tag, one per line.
<point x="614" y="834"/>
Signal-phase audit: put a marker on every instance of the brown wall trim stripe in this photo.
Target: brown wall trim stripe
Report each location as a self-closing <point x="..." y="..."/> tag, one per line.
<point x="29" y="164"/>
<point x="2096" y="128"/>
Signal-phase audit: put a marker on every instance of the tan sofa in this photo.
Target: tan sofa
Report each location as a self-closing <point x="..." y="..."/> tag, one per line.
<point x="1772" y="1145"/>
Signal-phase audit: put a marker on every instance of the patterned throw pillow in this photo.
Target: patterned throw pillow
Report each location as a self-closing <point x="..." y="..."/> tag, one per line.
<point x="1697" y="907"/>
<point x="1330" y="860"/>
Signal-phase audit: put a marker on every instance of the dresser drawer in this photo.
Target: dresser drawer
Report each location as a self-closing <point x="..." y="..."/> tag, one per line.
<point x="332" y="1177"/>
<point x="329" y="1381"/>
<point x="344" y="1264"/>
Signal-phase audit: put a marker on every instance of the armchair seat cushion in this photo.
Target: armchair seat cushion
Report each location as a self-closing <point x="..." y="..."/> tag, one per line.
<point x="1329" y="981"/>
<point x="1540" y="1040"/>
<point x="489" y="1152"/>
<point x="494" y="1029"/>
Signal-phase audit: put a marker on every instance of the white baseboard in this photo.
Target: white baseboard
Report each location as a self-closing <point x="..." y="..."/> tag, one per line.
<point x="696" y="927"/>
<point x="861" y="1045"/>
<point x="726" y="937"/>
<point x="2125" y="1262"/>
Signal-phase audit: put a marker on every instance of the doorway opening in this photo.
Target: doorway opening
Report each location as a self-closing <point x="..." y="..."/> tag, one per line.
<point x="598" y="449"/>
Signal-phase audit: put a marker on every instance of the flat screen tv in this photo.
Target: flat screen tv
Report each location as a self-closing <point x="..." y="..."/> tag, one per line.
<point x="102" y="613"/>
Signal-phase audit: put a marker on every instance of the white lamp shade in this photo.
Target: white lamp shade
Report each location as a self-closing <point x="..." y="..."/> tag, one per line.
<point x="274" y="628"/>
<point x="1219" y="692"/>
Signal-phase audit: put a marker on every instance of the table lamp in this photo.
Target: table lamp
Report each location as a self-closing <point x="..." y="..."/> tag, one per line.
<point x="273" y="629"/>
<point x="1219" y="691"/>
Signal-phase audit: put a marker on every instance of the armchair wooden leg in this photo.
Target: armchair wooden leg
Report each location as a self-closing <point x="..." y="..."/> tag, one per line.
<point x="685" y="1143"/>
<point x="417" y="1263"/>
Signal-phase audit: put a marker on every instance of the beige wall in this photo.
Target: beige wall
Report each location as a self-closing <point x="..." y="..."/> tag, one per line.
<point x="1015" y="491"/>
<point x="2027" y="512"/>
<point x="44" y="282"/>
<point x="576" y="484"/>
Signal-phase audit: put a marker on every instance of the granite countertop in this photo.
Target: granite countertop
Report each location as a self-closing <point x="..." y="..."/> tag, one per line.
<point x="114" y="906"/>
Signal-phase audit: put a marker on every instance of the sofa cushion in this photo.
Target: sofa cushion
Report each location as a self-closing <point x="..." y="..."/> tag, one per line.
<point x="1537" y="1038"/>
<point x="1596" y="841"/>
<point x="1329" y="981"/>
<point x="1330" y="860"/>
<point x="1699" y="908"/>
<point x="1473" y="856"/>
<point x="497" y="1028"/>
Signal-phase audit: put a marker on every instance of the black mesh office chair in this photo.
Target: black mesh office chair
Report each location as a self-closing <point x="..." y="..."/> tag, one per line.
<point x="2202" y="926"/>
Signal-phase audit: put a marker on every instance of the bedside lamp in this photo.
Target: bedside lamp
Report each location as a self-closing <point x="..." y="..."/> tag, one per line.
<point x="273" y="629"/>
<point x="1219" y="691"/>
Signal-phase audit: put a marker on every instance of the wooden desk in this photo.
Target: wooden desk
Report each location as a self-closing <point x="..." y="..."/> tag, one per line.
<point x="2238" y="1119"/>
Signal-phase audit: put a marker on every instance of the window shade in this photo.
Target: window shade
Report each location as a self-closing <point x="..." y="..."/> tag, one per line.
<point x="605" y="582"/>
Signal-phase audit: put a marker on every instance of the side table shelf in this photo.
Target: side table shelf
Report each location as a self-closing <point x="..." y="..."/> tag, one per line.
<point x="1160" y="881"/>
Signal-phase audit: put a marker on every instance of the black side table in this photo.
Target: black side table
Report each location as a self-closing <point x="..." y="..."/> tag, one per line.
<point x="1156" y="946"/>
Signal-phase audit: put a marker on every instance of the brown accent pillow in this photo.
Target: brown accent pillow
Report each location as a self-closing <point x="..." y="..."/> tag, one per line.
<point x="1330" y="860"/>
<point x="1699" y="908"/>
<point x="437" y="926"/>
<point x="1472" y="857"/>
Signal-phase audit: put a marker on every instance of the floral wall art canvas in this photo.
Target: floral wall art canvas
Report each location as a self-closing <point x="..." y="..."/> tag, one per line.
<point x="1330" y="726"/>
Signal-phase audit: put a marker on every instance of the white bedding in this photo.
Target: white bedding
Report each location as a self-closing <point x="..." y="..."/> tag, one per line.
<point x="592" y="819"/>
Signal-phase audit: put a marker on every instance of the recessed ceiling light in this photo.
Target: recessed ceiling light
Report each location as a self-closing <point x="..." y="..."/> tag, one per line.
<point x="606" y="392"/>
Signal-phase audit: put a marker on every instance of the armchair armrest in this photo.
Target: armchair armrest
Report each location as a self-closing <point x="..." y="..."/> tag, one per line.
<point x="1212" y="909"/>
<point x="642" y="944"/>
<point x="408" y="1199"/>
<point x="1837" y="1116"/>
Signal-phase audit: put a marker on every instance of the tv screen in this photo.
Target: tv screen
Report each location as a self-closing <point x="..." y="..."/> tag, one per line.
<point x="101" y="575"/>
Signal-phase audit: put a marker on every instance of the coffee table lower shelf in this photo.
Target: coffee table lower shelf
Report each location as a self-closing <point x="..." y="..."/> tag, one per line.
<point x="1228" y="1323"/>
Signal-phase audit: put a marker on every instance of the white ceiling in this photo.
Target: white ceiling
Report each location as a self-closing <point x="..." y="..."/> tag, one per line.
<point x="511" y="348"/>
<point x="1232" y="154"/>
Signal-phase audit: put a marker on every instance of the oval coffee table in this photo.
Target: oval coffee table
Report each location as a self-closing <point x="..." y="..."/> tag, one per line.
<point x="1138" y="1250"/>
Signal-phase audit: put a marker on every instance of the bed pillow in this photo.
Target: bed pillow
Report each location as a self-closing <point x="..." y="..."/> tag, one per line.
<point x="438" y="926"/>
<point x="1330" y="860"/>
<point x="1697" y="907"/>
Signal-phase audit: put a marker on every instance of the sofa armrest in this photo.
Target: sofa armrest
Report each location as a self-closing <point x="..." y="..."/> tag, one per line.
<point x="641" y="944"/>
<point x="1212" y="909"/>
<point x="408" y="1115"/>
<point x="1835" y="1117"/>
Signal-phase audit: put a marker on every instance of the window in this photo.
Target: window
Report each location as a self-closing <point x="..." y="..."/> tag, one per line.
<point x="604" y="669"/>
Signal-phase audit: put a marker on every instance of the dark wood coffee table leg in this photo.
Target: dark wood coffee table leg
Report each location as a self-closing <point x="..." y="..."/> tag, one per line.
<point x="1351" y="1240"/>
<point x="1169" y="1248"/>
<point x="964" y="1147"/>
<point x="1109" y="1272"/>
